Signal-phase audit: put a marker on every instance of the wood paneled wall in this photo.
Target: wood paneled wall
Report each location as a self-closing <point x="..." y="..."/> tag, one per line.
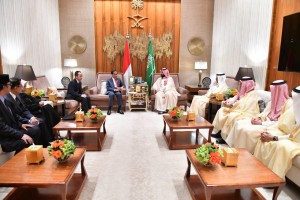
<point x="163" y="16"/>
<point x="281" y="9"/>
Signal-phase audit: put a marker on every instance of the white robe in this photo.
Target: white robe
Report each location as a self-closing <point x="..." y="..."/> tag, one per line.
<point x="246" y="107"/>
<point x="245" y="135"/>
<point x="166" y="96"/>
<point x="198" y="104"/>
<point x="278" y="155"/>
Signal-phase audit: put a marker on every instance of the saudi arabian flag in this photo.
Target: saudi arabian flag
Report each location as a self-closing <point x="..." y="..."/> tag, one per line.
<point x="150" y="65"/>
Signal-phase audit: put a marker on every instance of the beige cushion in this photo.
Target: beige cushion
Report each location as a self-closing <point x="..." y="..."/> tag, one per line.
<point x="296" y="162"/>
<point x="103" y="88"/>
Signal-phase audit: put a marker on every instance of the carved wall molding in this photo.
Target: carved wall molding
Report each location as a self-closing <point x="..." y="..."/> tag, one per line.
<point x="138" y="45"/>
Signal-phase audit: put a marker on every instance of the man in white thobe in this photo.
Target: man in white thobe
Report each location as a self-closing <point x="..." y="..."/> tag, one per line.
<point x="245" y="133"/>
<point x="199" y="102"/>
<point x="166" y="96"/>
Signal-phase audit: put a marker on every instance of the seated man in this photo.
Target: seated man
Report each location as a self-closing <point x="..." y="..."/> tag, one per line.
<point x="277" y="152"/>
<point x="246" y="132"/>
<point x="199" y="102"/>
<point x="25" y="116"/>
<point x="114" y="88"/>
<point x="243" y="105"/>
<point x="14" y="136"/>
<point x="166" y="95"/>
<point x="75" y="92"/>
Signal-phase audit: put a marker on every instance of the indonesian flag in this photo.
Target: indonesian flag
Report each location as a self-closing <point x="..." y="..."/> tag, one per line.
<point x="127" y="71"/>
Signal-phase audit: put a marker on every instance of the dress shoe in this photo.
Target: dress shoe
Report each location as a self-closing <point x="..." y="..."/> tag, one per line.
<point x="220" y="141"/>
<point x="160" y="112"/>
<point x="108" y="112"/>
<point x="216" y="135"/>
<point x="121" y="112"/>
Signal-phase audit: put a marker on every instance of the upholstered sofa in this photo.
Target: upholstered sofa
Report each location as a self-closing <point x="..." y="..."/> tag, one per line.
<point x="293" y="173"/>
<point x="98" y="93"/>
<point x="5" y="156"/>
<point x="182" y="99"/>
<point x="42" y="83"/>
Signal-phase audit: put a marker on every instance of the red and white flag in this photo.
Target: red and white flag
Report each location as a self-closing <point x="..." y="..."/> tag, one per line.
<point x="127" y="71"/>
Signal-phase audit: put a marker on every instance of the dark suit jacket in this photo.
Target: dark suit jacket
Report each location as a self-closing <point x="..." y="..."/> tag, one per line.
<point x="110" y="85"/>
<point x="22" y="113"/>
<point x="31" y="103"/>
<point x="9" y="127"/>
<point x="74" y="90"/>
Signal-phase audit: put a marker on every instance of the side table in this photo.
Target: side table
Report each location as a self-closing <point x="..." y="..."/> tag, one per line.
<point x="193" y="90"/>
<point x="215" y="102"/>
<point x="138" y="100"/>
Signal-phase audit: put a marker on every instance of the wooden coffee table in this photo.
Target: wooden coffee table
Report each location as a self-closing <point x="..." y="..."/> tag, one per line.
<point x="184" y="139"/>
<point x="220" y="182"/>
<point x="47" y="180"/>
<point x="83" y="137"/>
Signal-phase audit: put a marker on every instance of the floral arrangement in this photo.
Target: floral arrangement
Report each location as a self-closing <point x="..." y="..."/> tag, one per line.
<point x="231" y="92"/>
<point x="175" y="112"/>
<point x="209" y="154"/>
<point x="94" y="113"/>
<point x="61" y="149"/>
<point x="38" y="93"/>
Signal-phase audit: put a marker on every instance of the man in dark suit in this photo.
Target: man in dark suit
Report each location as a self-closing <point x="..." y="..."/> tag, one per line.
<point x="23" y="114"/>
<point x="114" y="88"/>
<point x="14" y="136"/>
<point x="75" y="92"/>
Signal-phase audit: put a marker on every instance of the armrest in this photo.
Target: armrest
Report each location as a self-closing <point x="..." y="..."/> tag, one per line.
<point x="123" y="91"/>
<point x="92" y="91"/>
<point x="153" y="92"/>
<point x="182" y="90"/>
<point x="202" y="92"/>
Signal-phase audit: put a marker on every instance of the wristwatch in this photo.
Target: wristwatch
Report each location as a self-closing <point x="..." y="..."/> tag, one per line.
<point x="275" y="138"/>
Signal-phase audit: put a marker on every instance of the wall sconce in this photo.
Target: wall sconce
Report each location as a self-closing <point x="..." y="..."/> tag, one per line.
<point x="244" y="71"/>
<point x="70" y="62"/>
<point x="25" y="72"/>
<point x="200" y="65"/>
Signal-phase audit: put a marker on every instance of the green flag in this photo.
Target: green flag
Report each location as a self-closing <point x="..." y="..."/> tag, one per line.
<point x="150" y="65"/>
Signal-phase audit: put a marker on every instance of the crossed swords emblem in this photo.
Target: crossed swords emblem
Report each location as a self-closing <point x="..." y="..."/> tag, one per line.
<point x="137" y="21"/>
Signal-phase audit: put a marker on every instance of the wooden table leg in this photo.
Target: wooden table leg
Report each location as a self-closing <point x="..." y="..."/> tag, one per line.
<point x="56" y="133"/>
<point x="188" y="170"/>
<point x="63" y="192"/>
<point x="172" y="138"/>
<point x="209" y="134"/>
<point x="83" y="171"/>
<point x="104" y="129"/>
<point x="208" y="192"/>
<point x="99" y="145"/>
<point x="164" y="130"/>
<point x="277" y="191"/>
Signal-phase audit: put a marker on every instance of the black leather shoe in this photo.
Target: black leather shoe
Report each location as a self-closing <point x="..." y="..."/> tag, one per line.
<point x="160" y="112"/>
<point x="121" y="112"/>
<point x="108" y="112"/>
<point x="220" y="141"/>
<point x="216" y="135"/>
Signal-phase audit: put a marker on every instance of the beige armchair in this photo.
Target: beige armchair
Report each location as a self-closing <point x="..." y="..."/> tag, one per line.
<point x="98" y="93"/>
<point x="182" y="100"/>
<point x="71" y="106"/>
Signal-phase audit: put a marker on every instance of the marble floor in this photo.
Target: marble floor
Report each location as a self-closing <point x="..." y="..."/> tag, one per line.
<point x="136" y="164"/>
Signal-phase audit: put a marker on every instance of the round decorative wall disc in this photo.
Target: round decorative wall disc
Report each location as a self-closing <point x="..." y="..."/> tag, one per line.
<point x="77" y="44"/>
<point x="196" y="46"/>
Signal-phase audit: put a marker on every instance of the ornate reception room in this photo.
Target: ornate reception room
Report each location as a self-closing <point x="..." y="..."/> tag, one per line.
<point x="150" y="100"/>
